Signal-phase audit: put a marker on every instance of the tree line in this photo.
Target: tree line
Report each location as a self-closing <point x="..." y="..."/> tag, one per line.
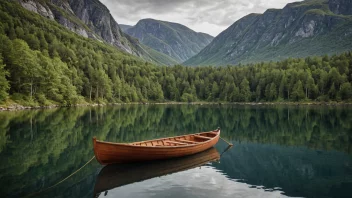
<point x="41" y="62"/>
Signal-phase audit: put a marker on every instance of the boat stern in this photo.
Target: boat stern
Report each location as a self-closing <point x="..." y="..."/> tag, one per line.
<point x="95" y="150"/>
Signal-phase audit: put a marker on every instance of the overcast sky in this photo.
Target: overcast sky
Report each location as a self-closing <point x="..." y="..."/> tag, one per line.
<point x="209" y="16"/>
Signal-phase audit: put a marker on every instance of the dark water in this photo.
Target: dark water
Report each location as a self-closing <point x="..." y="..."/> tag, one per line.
<point x="279" y="151"/>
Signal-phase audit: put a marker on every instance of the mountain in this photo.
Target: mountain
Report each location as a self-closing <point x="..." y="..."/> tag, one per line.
<point x="92" y="19"/>
<point x="172" y="39"/>
<point x="301" y="29"/>
<point x="125" y="27"/>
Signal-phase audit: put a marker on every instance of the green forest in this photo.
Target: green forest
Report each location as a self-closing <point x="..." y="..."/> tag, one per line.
<point x="43" y="63"/>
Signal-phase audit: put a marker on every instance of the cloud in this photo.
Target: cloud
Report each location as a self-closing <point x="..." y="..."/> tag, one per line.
<point x="209" y="16"/>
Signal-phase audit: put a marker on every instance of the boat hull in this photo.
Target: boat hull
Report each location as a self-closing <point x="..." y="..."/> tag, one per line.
<point x="109" y="153"/>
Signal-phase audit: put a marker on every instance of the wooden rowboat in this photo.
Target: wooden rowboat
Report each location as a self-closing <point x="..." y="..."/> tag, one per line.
<point x="117" y="175"/>
<point x="164" y="148"/>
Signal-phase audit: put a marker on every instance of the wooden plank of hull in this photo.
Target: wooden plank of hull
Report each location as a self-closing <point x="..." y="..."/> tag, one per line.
<point x="108" y="153"/>
<point x="116" y="175"/>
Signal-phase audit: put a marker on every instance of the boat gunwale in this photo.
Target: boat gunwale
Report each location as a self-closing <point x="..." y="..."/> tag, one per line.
<point x="158" y="147"/>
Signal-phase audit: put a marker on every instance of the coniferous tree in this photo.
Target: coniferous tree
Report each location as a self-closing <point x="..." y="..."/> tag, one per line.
<point x="4" y="84"/>
<point x="297" y="92"/>
<point x="245" y="92"/>
<point x="346" y="91"/>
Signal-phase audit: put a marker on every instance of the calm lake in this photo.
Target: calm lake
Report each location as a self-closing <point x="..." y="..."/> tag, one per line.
<point x="294" y="151"/>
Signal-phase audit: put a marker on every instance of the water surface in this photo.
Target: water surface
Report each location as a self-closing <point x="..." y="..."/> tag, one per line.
<point x="279" y="151"/>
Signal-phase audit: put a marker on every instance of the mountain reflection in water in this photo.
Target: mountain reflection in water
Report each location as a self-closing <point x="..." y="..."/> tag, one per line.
<point x="279" y="151"/>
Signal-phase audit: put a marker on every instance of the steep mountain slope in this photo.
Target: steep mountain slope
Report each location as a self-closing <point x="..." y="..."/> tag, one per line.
<point x="125" y="27"/>
<point x="92" y="19"/>
<point x="172" y="39"/>
<point x="311" y="27"/>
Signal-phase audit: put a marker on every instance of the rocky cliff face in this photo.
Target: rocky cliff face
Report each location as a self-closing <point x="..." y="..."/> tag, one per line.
<point x="311" y="27"/>
<point x="343" y="7"/>
<point x="91" y="19"/>
<point x="172" y="39"/>
<point x="98" y="18"/>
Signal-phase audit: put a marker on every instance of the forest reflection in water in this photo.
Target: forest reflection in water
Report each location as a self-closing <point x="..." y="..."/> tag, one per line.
<point x="303" y="151"/>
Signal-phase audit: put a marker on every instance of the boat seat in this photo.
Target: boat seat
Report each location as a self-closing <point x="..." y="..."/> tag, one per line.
<point x="203" y="137"/>
<point x="173" y="142"/>
<point x="187" y="141"/>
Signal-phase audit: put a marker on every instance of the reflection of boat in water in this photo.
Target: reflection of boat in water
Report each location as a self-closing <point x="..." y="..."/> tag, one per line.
<point x="115" y="175"/>
<point x="164" y="148"/>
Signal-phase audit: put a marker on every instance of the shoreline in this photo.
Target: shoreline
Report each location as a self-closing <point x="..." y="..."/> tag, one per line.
<point x="18" y="107"/>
